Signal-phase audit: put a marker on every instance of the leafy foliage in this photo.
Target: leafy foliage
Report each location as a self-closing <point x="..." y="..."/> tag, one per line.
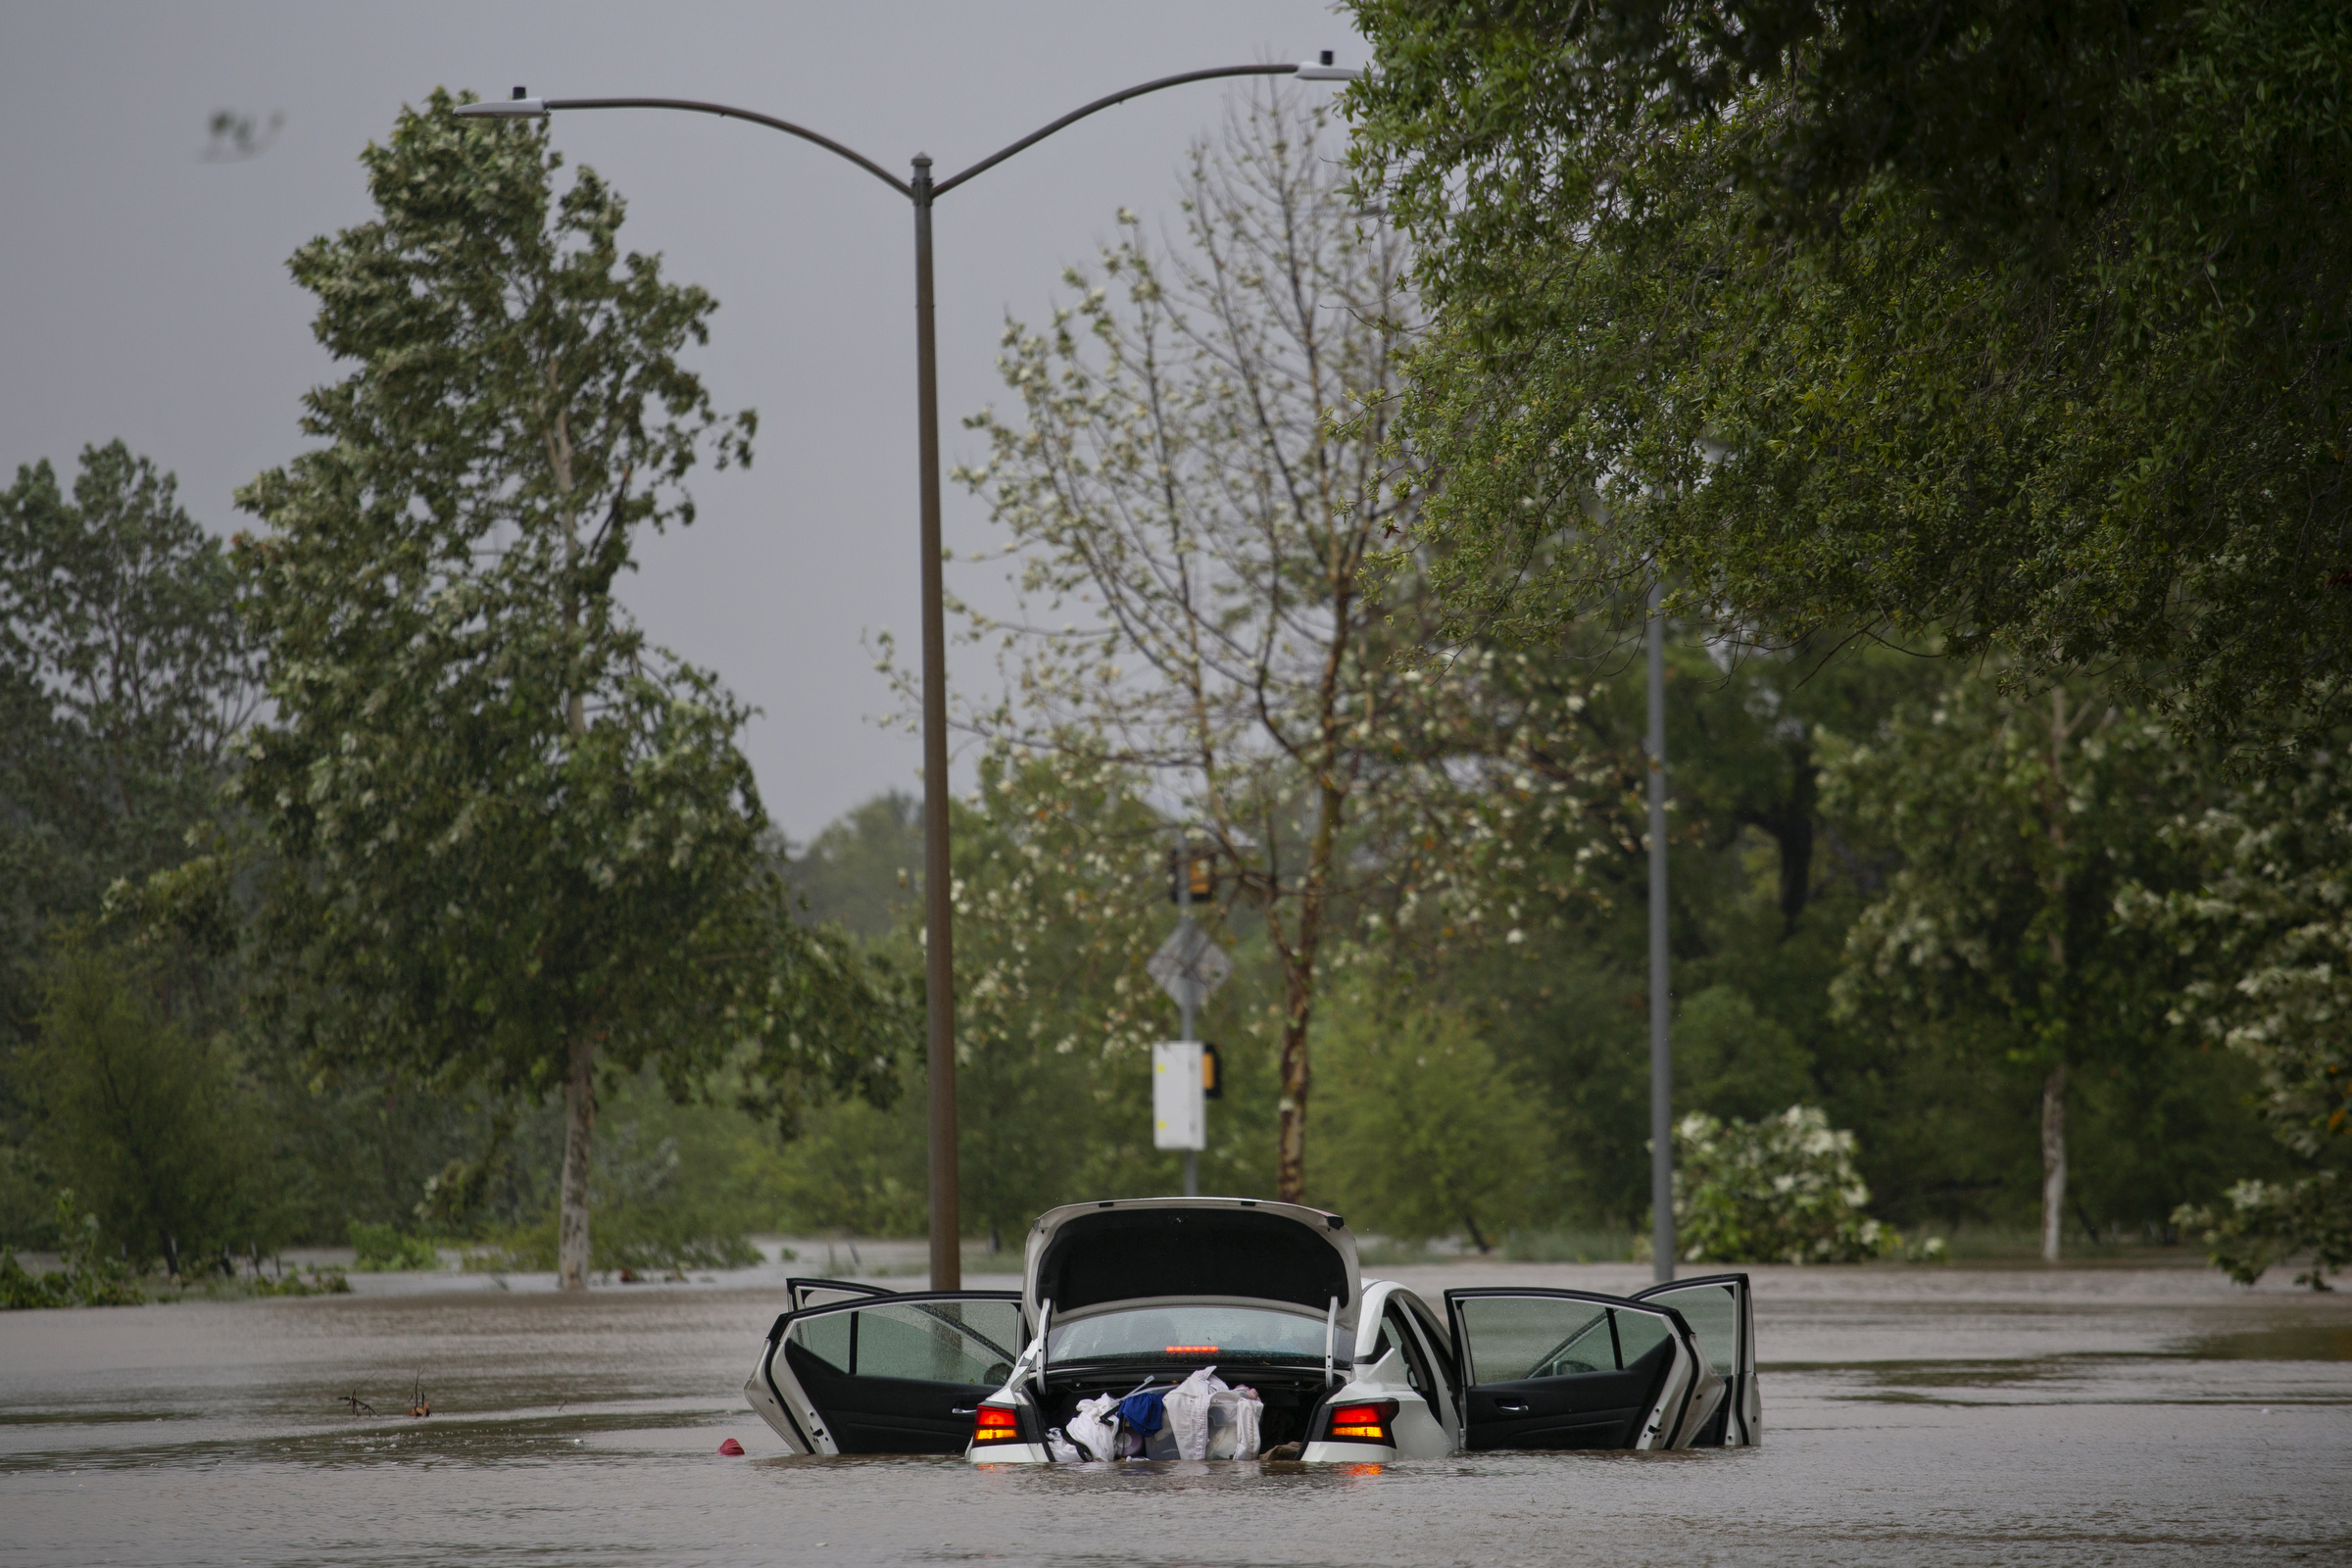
<point x="2018" y="323"/>
<point x="1427" y="1134"/>
<point x="382" y="1249"/>
<point x="126" y="671"/>
<point x="2269" y="928"/>
<point x="2269" y="1222"/>
<point x="90" y="1278"/>
<point x="1779" y="1190"/>
<point x="510" y="837"/>
<point x="152" y="1125"/>
<point x="1200" y="479"/>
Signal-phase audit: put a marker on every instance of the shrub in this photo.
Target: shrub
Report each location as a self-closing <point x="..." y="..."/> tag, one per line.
<point x="1422" y="1132"/>
<point x="150" y="1123"/>
<point x="89" y="1278"/>
<point x="382" y="1249"/>
<point x="2271" y="1221"/>
<point x="1781" y="1190"/>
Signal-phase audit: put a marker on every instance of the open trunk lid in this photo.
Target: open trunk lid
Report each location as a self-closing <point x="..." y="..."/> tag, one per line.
<point x="1084" y="1255"/>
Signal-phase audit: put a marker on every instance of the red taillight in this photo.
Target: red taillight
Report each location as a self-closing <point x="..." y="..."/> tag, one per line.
<point x="995" y="1423"/>
<point x="1367" y="1422"/>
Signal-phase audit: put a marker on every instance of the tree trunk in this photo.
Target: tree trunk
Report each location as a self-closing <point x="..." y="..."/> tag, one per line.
<point x="2053" y="1161"/>
<point x="1290" y="1133"/>
<point x="2054" y="1088"/>
<point x="1298" y="978"/>
<point x="579" y="1126"/>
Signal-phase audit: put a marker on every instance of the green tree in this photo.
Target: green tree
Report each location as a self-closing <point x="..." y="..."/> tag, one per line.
<point x="1427" y="1133"/>
<point x="512" y="840"/>
<point x="126" y="674"/>
<point x="151" y="1125"/>
<point x="2020" y="825"/>
<point x="2268" y="930"/>
<point x="865" y="868"/>
<point x="2017" y="320"/>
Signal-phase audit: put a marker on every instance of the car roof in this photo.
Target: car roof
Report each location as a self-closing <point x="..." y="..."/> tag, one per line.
<point x="1084" y="1255"/>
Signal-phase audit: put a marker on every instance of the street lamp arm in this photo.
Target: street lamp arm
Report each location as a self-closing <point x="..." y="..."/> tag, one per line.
<point x="1074" y="116"/>
<point x="726" y="111"/>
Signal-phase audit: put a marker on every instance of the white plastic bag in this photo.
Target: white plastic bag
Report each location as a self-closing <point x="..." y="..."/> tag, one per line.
<point x="1095" y="1428"/>
<point x="1187" y="1412"/>
<point x="1063" y="1450"/>
<point x="1233" y="1421"/>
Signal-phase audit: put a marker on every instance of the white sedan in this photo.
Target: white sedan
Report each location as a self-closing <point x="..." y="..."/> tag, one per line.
<point x="1137" y="1294"/>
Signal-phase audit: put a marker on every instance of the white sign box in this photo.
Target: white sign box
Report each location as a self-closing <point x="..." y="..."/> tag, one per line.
<point x="1178" y="1120"/>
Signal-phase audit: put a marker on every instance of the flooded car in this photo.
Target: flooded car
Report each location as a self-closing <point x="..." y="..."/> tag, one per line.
<point x="1201" y="1306"/>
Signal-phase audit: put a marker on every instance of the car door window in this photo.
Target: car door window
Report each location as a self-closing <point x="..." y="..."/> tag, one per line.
<point x="1557" y="1369"/>
<point x="935" y="1341"/>
<point x="1514" y="1338"/>
<point x="1712" y="1309"/>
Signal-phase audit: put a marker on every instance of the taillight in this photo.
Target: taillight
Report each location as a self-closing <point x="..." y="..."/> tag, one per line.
<point x="995" y="1423"/>
<point x="1366" y="1422"/>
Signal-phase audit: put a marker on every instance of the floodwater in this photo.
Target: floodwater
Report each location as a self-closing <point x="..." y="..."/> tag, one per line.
<point x="1923" y="1415"/>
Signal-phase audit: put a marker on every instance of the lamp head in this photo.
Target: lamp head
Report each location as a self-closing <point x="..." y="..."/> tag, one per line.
<point x="522" y="106"/>
<point x="1320" y="68"/>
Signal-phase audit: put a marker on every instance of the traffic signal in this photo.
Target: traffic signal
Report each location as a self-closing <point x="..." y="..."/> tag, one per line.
<point x="1212" y="1073"/>
<point x="1202" y="869"/>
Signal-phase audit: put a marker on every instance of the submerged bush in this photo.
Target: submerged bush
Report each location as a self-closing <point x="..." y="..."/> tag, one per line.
<point x="89" y="1278"/>
<point x="2268" y="1222"/>
<point x="382" y="1249"/>
<point x="1782" y="1189"/>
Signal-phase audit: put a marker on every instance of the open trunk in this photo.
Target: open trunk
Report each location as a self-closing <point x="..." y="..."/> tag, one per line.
<point x="1290" y="1396"/>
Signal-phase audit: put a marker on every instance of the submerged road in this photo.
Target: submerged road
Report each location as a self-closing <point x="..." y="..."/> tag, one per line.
<point x="1931" y="1415"/>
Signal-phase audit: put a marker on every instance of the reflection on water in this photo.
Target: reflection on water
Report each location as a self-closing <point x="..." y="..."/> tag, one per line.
<point x="2293" y="1341"/>
<point x="1912" y="1417"/>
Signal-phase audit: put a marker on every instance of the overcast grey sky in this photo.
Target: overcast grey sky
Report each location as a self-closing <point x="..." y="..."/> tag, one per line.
<point x="143" y="291"/>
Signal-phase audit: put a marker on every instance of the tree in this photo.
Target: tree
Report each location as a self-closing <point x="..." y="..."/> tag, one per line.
<point x="2018" y="323"/>
<point x="126" y="674"/>
<point x="1201" y="474"/>
<point x="149" y="1124"/>
<point x="2019" y="826"/>
<point x="512" y="840"/>
<point x="2268" y="930"/>
<point x="1427" y="1133"/>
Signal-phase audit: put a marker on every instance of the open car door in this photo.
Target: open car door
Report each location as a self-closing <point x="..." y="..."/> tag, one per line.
<point x="886" y="1373"/>
<point x="1721" y="1311"/>
<point x="1572" y="1370"/>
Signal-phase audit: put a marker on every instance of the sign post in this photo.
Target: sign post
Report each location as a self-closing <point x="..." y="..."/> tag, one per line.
<point x="1189" y="966"/>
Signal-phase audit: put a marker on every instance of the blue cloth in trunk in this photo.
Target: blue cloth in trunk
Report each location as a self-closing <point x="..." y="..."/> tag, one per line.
<point x="1146" y="1411"/>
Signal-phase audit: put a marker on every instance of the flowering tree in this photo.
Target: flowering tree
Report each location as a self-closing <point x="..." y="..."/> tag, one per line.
<point x="1782" y="1190"/>
<point x="2270" y="931"/>
<point x="1200" y="478"/>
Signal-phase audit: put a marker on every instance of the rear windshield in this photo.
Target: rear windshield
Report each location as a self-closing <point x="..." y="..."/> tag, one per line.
<point x="1204" y="1333"/>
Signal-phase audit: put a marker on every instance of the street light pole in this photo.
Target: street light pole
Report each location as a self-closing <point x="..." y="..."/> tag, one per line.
<point x="1661" y="1060"/>
<point x="939" y="888"/>
<point x="939" y="908"/>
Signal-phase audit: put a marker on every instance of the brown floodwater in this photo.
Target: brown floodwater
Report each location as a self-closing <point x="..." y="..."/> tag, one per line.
<point x="1928" y="1415"/>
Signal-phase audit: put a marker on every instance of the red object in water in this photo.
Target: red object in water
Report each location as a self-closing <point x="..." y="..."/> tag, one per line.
<point x="731" y="1449"/>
